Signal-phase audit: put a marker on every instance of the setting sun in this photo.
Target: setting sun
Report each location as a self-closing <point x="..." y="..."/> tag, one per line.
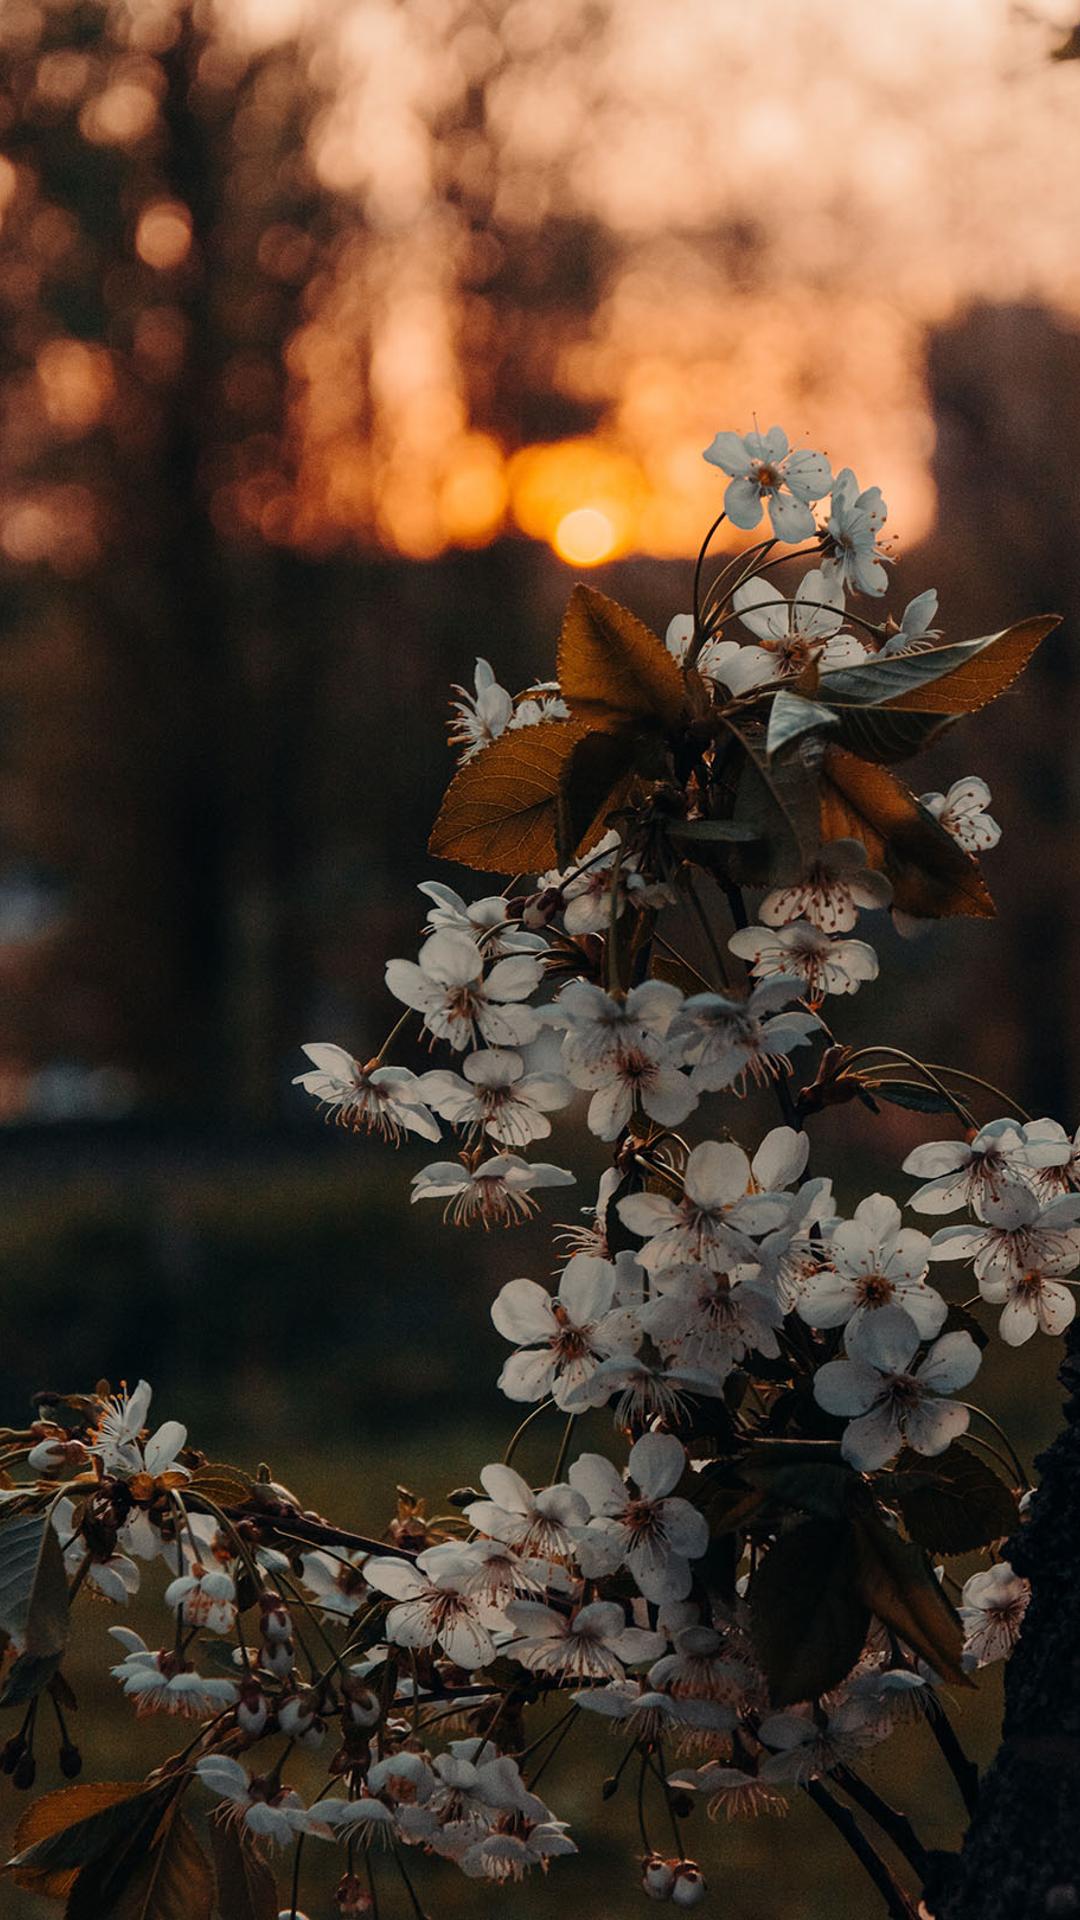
<point x="585" y="537"/>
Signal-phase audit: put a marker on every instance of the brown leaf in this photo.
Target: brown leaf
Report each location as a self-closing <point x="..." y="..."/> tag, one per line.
<point x="77" y="1821"/>
<point x="164" y="1875"/>
<point x="529" y="799"/>
<point x="246" y="1889"/>
<point x="610" y="663"/>
<point x="896" y="1581"/>
<point x="226" y="1486"/>
<point x="931" y="876"/>
<point x="987" y="674"/>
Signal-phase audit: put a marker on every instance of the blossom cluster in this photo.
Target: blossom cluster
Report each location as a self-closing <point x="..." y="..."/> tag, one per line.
<point x="753" y="1381"/>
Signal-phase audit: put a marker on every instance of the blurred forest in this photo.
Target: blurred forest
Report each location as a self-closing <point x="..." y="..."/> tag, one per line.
<point x="317" y="323"/>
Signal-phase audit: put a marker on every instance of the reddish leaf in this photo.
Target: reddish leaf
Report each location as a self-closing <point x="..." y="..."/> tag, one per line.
<point x="612" y="665"/>
<point x="931" y="876"/>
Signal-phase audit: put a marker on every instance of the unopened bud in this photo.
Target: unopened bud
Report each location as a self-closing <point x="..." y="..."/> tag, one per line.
<point x="689" y="1889"/>
<point x="540" y="909"/>
<point x="364" y="1708"/>
<point x="12" y="1753"/>
<point x="278" y="1657"/>
<point x="54" y="1455"/>
<point x="351" y="1897"/>
<point x="70" y="1761"/>
<point x="252" y="1711"/>
<point x="657" y="1876"/>
<point x="295" y="1714"/>
<point x="25" y="1773"/>
<point x="276" y="1624"/>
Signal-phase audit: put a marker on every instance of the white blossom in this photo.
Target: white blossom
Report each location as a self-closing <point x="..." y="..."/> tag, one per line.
<point x="710" y="1222"/>
<point x="852" y="553"/>
<point x="992" y="1608"/>
<point x="385" y="1100"/>
<point x="561" y="1341"/>
<point x="494" y="1094"/>
<point x="764" y="472"/>
<point x="1000" y="1156"/>
<point x="873" y="1262"/>
<point x="497" y="1192"/>
<point x="835" y="885"/>
<point x="594" y="1643"/>
<point x="458" y="1003"/>
<point x="488" y="921"/>
<point x="803" y="952"/>
<point x="962" y="812"/>
<point x="886" y="1403"/>
<point x="479" y="717"/>
<point x="728" y="1042"/>
<point x="643" y="1527"/>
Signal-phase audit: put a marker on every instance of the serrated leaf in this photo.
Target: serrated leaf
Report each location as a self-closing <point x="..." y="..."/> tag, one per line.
<point x="960" y="678"/>
<point x="896" y="1581"/>
<point x="931" y="876"/>
<point x="809" y="1620"/>
<point x="76" y="1826"/>
<point x="791" y="716"/>
<point x="597" y="780"/>
<point x="172" y="1881"/>
<point x="51" y="1815"/>
<point x="954" y="1503"/>
<point x="779" y="807"/>
<point x="500" y="812"/>
<point x="34" y="1601"/>
<point x="246" y="1888"/>
<point x="611" y="664"/>
<point x="226" y="1486"/>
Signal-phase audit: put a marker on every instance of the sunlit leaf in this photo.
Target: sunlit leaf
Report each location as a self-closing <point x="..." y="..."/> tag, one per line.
<point x="501" y="810"/>
<point x="808" y="1617"/>
<point x="246" y="1888"/>
<point x="931" y="876"/>
<point x="790" y="717"/>
<point x="960" y="678"/>
<point x="897" y="1583"/>
<point x="610" y="663"/>
<point x="79" y="1825"/>
<point x="954" y="1503"/>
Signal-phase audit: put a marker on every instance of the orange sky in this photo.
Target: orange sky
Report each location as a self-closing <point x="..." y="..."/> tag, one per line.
<point x="894" y="159"/>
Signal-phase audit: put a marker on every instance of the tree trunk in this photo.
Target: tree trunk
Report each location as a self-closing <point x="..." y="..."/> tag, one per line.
<point x="1021" y="1857"/>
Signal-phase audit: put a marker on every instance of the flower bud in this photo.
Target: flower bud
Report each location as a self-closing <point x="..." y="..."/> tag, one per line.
<point x="11" y="1753"/>
<point x="252" y="1711"/>
<point x="70" y="1761"/>
<point x="278" y="1657"/>
<point x="657" y="1876"/>
<point x="276" y="1624"/>
<point x="364" y="1708"/>
<point x="689" y="1889"/>
<point x="295" y="1714"/>
<point x="351" y="1897"/>
<point x="56" y="1455"/>
<point x="541" y="908"/>
<point x="25" y="1773"/>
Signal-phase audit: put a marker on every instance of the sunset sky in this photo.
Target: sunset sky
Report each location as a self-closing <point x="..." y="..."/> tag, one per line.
<point x="796" y="192"/>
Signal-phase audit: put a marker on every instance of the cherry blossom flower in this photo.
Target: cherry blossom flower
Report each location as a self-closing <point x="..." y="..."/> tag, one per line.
<point x="803" y="952"/>
<point x="537" y="704"/>
<point x="992" y="1609"/>
<point x="585" y="889"/>
<point x="113" y="1575"/>
<point x="497" y="1096"/>
<point x="561" y="1341"/>
<point x="514" y="1846"/>
<point x="336" y="1582"/>
<point x="698" y="1668"/>
<point x="476" y="1788"/>
<point x="162" y="1682"/>
<point x="594" y="1643"/>
<point x="1001" y="1156"/>
<point x="712" y="1320"/>
<point x="479" y="717"/>
<point x="791" y="634"/>
<point x="639" y="1078"/>
<point x="873" y="1262"/>
<point x="204" y="1599"/>
<point x="647" y="1389"/>
<point x="598" y="1027"/>
<point x="434" y="1606"/>
<point x="805" y="1747"/>
<point x="384" y="1100"/>
<point x="488" y="921"/>
<point x="852" y="554"/>
<point x="266" y="1809"/>
<point x="962" y="812"/>
<point x="118" y="1444"/>
<point x="764" y="472"/>
<point x="458" y="1004"/>
<point x="709" y="1224"/>
<point x="732" y="1791"/>
<point x="497" y="1192"/>
<point x="650" y="1532"/>
<point x="645" y="1714"/>
<point x="887" y="1405"/>
<point x="1020" y="1248"/>
<point x="836" y="884"/>
<point x="1050" y="1177"/>
<point x="727" y="1042"/>
<point x="914" y="634"/>
<point x="539" y="1525"/>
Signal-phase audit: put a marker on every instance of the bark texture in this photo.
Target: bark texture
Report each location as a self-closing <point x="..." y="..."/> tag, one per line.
<point x="1021" y="1857"/>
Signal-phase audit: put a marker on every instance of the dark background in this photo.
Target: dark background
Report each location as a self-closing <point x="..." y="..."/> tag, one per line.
<point x="291" y="410"/>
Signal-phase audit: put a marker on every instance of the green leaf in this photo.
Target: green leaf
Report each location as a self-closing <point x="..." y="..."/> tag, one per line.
<point x="809" y="1619"/>
<point x="34" y="1601"/>
<point x="914" y="1094"/>
<point x="246" y="1888"/>
<point x="896" y="1581"/>
<point x="225" y="1486"/>
<point x="954" y="1503"/>
<point x="791" y="716"/>
<point x="711" y="830"/>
